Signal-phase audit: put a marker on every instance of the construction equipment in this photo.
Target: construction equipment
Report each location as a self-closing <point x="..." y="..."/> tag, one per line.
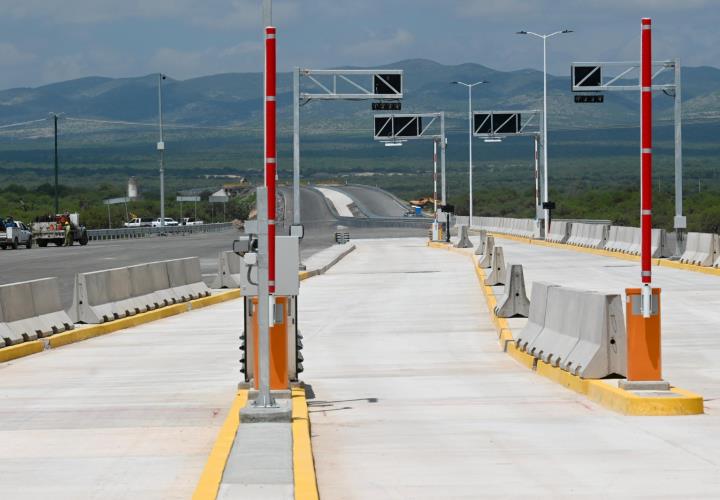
<point x="51" y="229"/>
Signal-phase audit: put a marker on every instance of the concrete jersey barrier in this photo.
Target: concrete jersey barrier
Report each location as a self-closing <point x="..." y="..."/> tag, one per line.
<point x="701" y="249"/>
<point x="525" y="228"/>
<point x="30" y="310"/>
<point x="628" y="240"/>
<point x="110" y="294"/>
<point x="228" y="270"/>
<point x="582" y="332"/>
<point x="559" y="231"/>
<point x="588" y="235"/>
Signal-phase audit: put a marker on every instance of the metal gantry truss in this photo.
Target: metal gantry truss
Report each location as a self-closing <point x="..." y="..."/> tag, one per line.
<point x="352" y="84"/>
<point x="400" y="127"/>
<point x="499" y="124"/>
<point x="619" y="76"/>
<point x="616" y="76"/>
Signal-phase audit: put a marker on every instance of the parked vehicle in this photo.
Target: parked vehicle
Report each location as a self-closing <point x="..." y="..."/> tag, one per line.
<point x="189" y="221"/>
<point x="51" y="229"/>
<point x="169" y="221"/>
<point x="14" y="233"/>
<point x="140" y="222"/>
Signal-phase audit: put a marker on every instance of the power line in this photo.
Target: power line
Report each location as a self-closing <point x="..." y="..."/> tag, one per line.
<point x="144" y="124"/>
<point x="23" y="123"/>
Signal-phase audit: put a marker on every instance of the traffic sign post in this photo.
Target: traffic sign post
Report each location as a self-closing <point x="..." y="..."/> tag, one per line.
<point x="116" y="201"/>
<point x="191" y="199"/>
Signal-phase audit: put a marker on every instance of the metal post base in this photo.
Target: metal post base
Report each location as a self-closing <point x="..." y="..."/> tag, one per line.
<point x="651" y="385"/>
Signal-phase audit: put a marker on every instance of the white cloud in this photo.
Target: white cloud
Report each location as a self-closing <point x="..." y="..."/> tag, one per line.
<point x="225" y="14"/>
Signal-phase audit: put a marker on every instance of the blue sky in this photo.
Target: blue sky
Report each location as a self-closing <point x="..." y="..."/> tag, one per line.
<point x="44" y="41"/>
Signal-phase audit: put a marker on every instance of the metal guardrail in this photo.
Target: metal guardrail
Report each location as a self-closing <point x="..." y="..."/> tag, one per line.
<point x="143" y="232"/>
<point x="413" y="222"/>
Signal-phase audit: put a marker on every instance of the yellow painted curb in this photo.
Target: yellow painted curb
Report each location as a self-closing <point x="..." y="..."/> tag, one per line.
<point x="303" y="463"/>
<point x="209" y="484"/>
<point x="21" y="350"/>
<point x="599" y="391"/>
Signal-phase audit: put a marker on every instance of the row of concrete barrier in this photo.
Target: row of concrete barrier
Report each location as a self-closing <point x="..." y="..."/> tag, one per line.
<point x="628" y="240"/>
<point x="582" y="332"/>
<point x="110" y="294"/>
<point x="31" y="310"/>
<point x="526" y="228"/>
<point x="602" y="235"/>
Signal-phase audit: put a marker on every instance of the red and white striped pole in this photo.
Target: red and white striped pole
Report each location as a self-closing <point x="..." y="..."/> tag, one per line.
<point x="270" y="147"/>
<point x="646" y="162"/>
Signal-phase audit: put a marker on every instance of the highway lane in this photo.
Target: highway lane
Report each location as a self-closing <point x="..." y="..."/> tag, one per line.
<point x="321" y="222"/>
<point x="414" y="399"/>
<point x="375" y="202"/>
<point x="65" y="262"/>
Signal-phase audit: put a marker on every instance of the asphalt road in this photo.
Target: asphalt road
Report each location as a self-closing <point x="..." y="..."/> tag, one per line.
<point x="64" y="262"/>
<point x="374" y="202"/>
<point x="321" y="223"/>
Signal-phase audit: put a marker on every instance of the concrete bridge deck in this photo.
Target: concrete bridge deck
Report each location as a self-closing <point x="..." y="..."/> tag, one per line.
<point x="414" y="398"/>
<point x="132" y="414"/>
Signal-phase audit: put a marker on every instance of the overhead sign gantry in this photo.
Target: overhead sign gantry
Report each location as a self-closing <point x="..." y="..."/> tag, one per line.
<point x="382" y="85"/>
<point x="394" y="129"/>
<point x="493" y="126"/>
<point x="597" y="77"/>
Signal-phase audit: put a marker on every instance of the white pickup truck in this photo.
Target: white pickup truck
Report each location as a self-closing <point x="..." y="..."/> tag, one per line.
<point x="140" y="222"/>
<point x="168" y="222"/>
<point x="189" y="221"/>
<point x="13" y="234"/>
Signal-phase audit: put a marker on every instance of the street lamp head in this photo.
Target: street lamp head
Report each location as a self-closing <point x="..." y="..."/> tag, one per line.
<point x="568" y="31"/>
<point x="521" y="32"/>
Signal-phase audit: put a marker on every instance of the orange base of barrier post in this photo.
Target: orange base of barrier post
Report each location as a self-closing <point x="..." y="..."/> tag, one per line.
<point x="644" y="351"/>
<point x="279" y="377"/>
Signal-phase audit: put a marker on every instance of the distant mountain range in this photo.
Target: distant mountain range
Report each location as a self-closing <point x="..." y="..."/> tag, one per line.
<point x="234" y="99"/>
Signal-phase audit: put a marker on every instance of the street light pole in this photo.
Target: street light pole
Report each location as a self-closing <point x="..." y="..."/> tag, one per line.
<point x="161" y="150"/>
<point x="57" y="201"/>
<point x="470" y="145"/>
<point x="545" y="120"/>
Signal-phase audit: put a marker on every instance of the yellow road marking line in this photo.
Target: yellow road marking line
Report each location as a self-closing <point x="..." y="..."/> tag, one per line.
<point x="303" y="463"/>
<point x="209" y="484"/>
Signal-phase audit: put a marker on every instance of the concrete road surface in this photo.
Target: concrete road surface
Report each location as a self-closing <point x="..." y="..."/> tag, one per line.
<point x="129" y="415"/>
<point x="414" y="399"/>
